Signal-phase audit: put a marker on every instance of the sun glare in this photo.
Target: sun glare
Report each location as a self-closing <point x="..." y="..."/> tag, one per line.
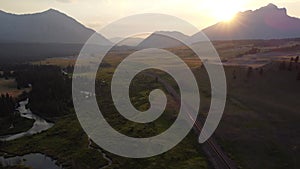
<point x="223" y="10"/>
<point x="225" y="16"/>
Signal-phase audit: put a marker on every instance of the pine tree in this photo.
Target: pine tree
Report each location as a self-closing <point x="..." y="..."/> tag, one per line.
<point x="249" y="72"/>
<point x="261" y="71"/>
<point x="297" y="59"/>
<point x="234" y="74"/>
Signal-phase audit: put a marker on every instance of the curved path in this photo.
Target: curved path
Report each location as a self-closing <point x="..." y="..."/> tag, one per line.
<point x="103" y="154"/>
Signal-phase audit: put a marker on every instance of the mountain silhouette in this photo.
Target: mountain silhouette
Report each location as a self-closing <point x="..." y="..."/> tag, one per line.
<point x="131" y="41"/>
<point x="269" y="22"/>
<point x="50" y="26"/>
<point x="163" y="39"/>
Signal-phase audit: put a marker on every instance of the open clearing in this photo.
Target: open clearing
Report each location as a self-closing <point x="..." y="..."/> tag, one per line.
<point x="10" y="86"/>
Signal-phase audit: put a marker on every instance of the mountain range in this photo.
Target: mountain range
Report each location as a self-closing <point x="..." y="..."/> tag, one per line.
<point x="269" y="22"/>
<point x="132" y="41"/>
<point x="52" y="26"/>
<point x="163" y="39"/>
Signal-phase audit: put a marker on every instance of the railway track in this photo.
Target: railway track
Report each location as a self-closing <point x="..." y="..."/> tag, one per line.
<point x="217" y="156"/>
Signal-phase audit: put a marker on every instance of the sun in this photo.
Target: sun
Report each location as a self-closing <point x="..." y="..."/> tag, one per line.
<point x="223" y="10"/>
<point x="225" y="16"/>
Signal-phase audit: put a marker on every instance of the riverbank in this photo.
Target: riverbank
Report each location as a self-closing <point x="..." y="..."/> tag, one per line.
<point x="20" y="124"/>
<point x="38" y="126"/>
<point x="32" y="160"/>
<point x="65" y="142"/>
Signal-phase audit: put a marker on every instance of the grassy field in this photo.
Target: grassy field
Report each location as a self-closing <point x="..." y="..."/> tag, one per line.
<point x="9" y="86"/>
<point x="62" y="62"/>
<point x="67" y="143"/>
<point x="187" y="154"/>
<point x="260" y="126"/>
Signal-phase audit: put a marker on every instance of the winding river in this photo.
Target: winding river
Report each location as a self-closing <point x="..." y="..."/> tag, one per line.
<point x="38" y="126"/>
<point x="33" y="160"/>
<point x="36" y="160"/>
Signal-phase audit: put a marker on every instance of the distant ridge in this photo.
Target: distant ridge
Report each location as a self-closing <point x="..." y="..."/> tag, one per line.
<point x="269" y="22"/>
<point x="50" y="26"/>
<point x="132" y="41"/>
<point x="163" y="39"/>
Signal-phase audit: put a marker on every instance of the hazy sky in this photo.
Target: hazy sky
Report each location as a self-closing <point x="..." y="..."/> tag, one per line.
<point x="98" y="13"/>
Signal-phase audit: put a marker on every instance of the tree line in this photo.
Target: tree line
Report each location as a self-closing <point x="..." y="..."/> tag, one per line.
<point x="7" y="106"/>
<point x="50" y="94"/>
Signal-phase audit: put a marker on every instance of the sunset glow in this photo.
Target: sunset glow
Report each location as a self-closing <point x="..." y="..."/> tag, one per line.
<point x="224" y="10"/>
<point x="97" y="13"/>
<point x="225" y="16"/>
